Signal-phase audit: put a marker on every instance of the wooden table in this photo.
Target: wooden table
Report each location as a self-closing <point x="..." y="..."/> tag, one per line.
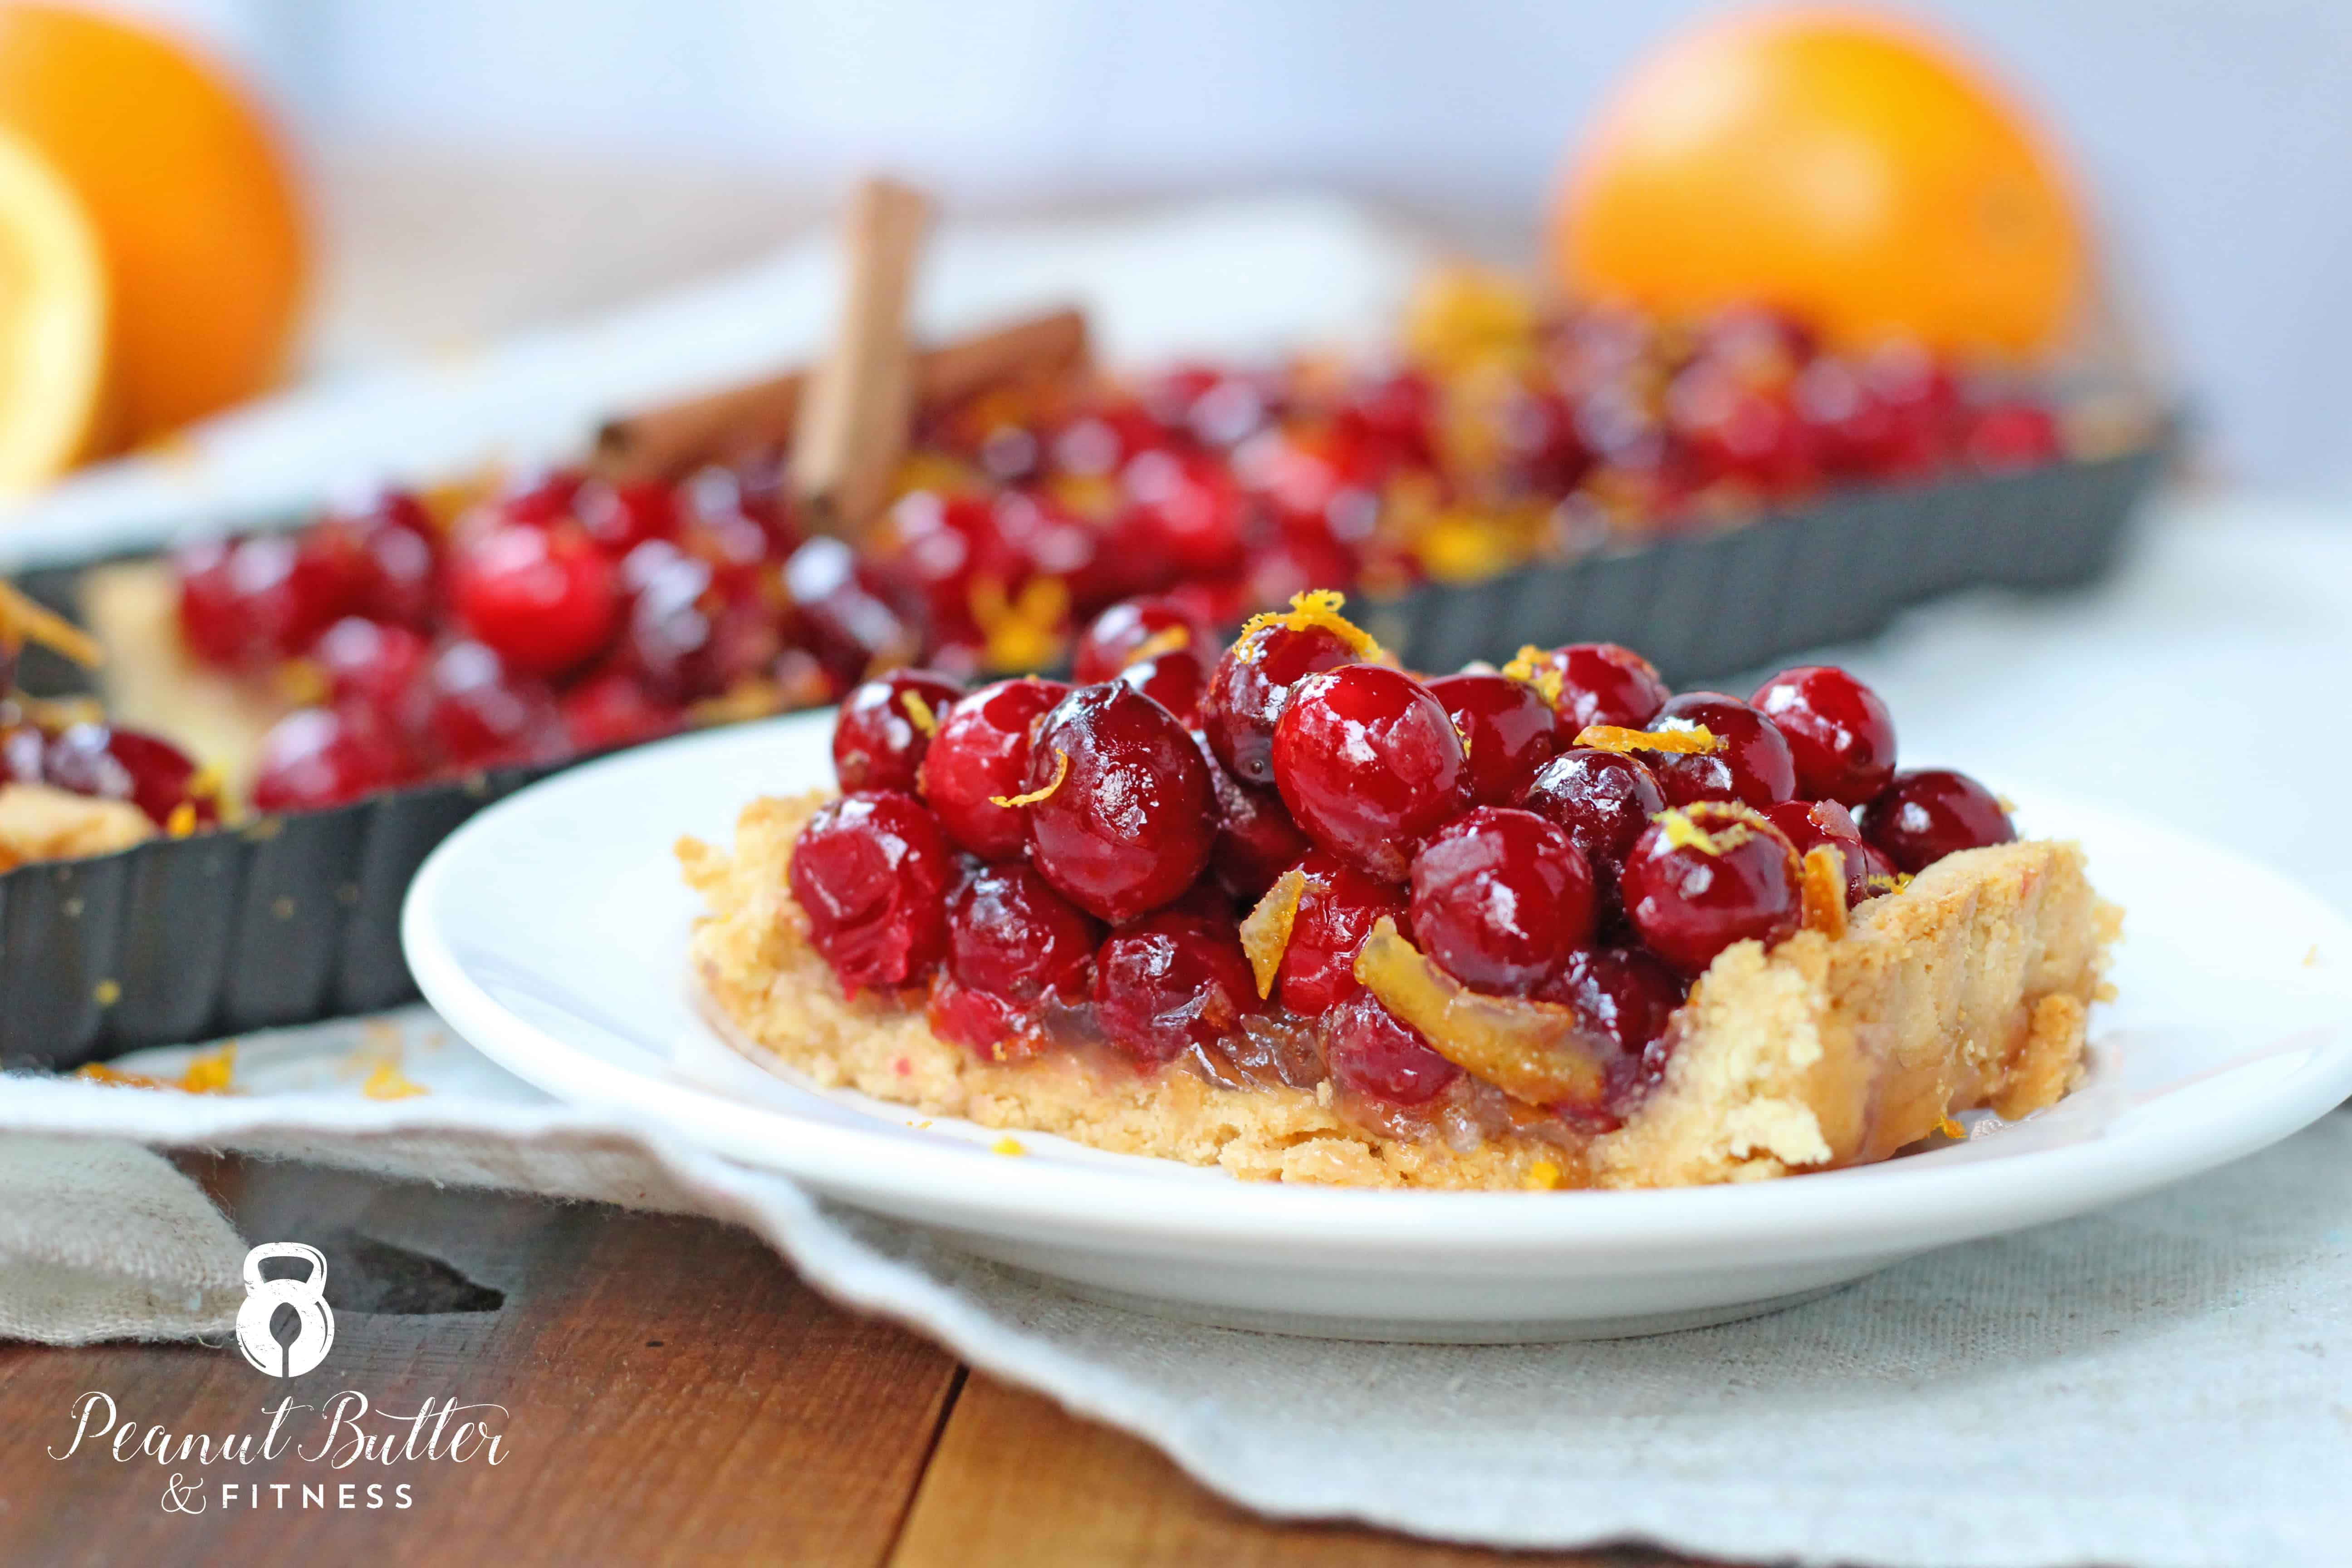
<point x="674" y="1395"/>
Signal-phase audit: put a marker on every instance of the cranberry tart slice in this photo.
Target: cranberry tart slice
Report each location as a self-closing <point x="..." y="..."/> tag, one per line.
<point x="1660" y="941"/>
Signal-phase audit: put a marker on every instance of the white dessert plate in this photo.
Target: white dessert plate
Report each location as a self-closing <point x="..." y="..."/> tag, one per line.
<point x="551" y="932"/>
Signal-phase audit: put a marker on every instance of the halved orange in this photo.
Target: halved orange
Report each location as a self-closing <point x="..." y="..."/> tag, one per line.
<point x="53" y="320"/>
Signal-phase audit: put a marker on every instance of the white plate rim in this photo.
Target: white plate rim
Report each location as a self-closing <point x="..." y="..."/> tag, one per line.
<point x="1112" y="1203"/>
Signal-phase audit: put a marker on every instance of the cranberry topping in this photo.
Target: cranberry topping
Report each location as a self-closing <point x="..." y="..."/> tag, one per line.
<point x="1839" y="734"/>
<point x="1604" y="683"/>
<point x="1810" y="824"/>
<point x="981" y="752"/>
<point x="1111" y="642"/>
<point x="1930" y="813"/>
<point x="1373" y="1052"/>
<point x="317" y="757"/>
<point x="1506" y="727"/>
<point x="1251" y="685"/>
<point x="1011" y="936"/>
<point x="619" y="518"/>
<point x="1712" y="875"/>
<point x="370" y="664"/>
<point x="1336" y="912"/>
<point x="383" y="561"/>
<point x="1370" y="764"/>
<point x="1603" y="799"/>
<point x="615" y="707"/>
<point x="692" y="631"/>
<point x="872" y="873"/>
<point x="1257" y="841"/>
<point x="469" y="710"/>
<point x="1171" y="981"/>
<point x="149" y="773"/>
<point x="246" y="604"/>
<point x="2005" y="436"/>
<point x="887" y="725"/>
<point x="1750" y="763"/>
<point x="1127" y="819"/>
<point x="1175" y="679"/>
<point x="546" y="599"/>
<point x="1624" y="998"/>
<point x="1500" y="898"/>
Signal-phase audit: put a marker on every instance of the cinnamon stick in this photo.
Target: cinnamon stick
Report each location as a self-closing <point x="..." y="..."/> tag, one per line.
<point x="856" y="405"/>
<point x="756" y="419"/>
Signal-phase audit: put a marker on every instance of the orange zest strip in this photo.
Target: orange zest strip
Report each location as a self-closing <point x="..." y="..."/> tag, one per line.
<point x="1696" y="741"/>
<point x="1061" y="771"/>
<point x="1821" y="890"/>
<point x="1532" y="666"/>
<point x="1316" y="607"/>
<point x="1266" y="932"/>
<point x="919" y="712"/>
<point x="1951" y="1129"/>
<point x="1167" y="640"/>
<point x="23" y="621"/>
<point x="388" y="1082"/>
<point x="1532" y="1051"/>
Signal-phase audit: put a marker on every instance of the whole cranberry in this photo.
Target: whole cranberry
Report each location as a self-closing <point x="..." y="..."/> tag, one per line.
<point x="1375" y="1053"/>
<point x="1112" y="639"/>
<point x="1251" y="685"/>
<point x="539" y="497"/>
<point x="1841" y="737"/>
<point x="1171" y="981"/>
<point x="620" y="517"/>
<point x="872" y="873"/>
<point x="316" y="757"/>
<point x="1506" y="727"/>
<point x="370" y="665"/>
<point x="1706" y="876"/>
<point x="1604" y="683"/>
<point x="1257" y="841"/>
<point x="1130" y="819"/>
<point x="1810" y="824"/>
<point x="1625" y="998"/>
<point x="1193" y="506"/>
<point x="1603" y="799"/>
<point x="1011" y="936"/>
<point x="385" y="556"/>
<point x="1500" y="899"/>
<point x="114" y="764"/>
<point x="692" y="630"/>
<point x="2005" y="436"/>
<point x="1336" y="913"/>
<point x="546" y="599"/>
<point x="615" y="708"/>
<point x="1370" y="764"/>
<point x="246" y="604"/>
<point x="1727" y="427"/>
<point x="841" y="617"/>
<point x="887" y="725"/>
<point x="1928" y="813"/>
<point x="1750" y="763"/>
<point x="981" y="752"/>
<point x="1175" y="679"/>
<point x="469" y="710"/>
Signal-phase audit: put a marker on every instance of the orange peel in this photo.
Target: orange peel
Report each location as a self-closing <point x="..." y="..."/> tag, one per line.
<point x="1533" y="1051"/>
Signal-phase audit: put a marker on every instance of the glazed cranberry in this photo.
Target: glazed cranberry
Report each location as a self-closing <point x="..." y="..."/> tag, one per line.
<point x="872" y="873"/>
<point x="1130" y="822"/>
<point x="1174" y="680"/>
<point x="887" y="725"/>
<point x="369" y="663"/>
<point x="546" y="599"/>
<point x="1375" y="1053"/>
<point x="245" y="603"/>
<point x="1602" y="683"/>
<point x="1336" y="912"/>
<point x="538" y="499"/>
<point x="317" y="757"/>
<point x="1112" y="639"/>
<point x="1728" y="426"/>
<point x="1251" y="685"/>
<point x="1506" y="727"/>
<point x="692" y="631"/>
<point x="1603" y="799"/>
<point x="1810" y="824"/>
<point x="1841" y="736"/>
<point x="1691" y="899"/>
<point x="1370" y="764"/>
<point x="842" y="619"/>
<point x="1750" y="763"/>
<point x="621" y="517"/>
<point x="2004" y="437"/>
<point x="1624" y="998"/>
<point x="385" y="556"/>
<point x="1171" y="981"/>
<point x="981" y="752"/>
<point x="1011" y="936"/>
<point x="469" y="710"/>
<point x="615" y="708"/>
<point x="1930" y="813"/>
<point x="114" y="764"/>
<point x="1191" y="505"/>
<point x="1500" y="899"/>
<point x="1257" y="841"/>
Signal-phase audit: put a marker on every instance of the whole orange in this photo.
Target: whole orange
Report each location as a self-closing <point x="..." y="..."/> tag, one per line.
<point x="196" y="209"/>
<point x="1839" y="164"/>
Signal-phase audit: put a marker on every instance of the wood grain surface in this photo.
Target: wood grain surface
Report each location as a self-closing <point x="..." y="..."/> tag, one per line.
<point x="670" y="1392"/>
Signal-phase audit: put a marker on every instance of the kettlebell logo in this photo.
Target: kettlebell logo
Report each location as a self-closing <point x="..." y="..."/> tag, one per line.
<point x="263" y="1296"/>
